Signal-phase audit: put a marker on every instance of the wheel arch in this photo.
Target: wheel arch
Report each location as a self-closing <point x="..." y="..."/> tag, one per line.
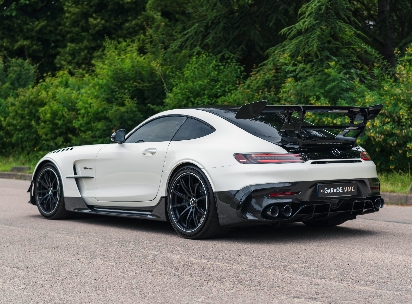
<point x="209" y="226"/>
<point x="184" y="164"/>
<point x="176" y="168"/>
<point x="59" y="211"/>
<point x="41" y="164"/>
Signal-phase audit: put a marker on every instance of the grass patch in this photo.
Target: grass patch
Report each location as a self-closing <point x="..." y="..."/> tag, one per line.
<point x="395" y="182"/>
<point x="7" y="162"/>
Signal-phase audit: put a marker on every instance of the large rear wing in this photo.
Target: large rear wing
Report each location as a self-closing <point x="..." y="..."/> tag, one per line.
<point x="360" y="114"/>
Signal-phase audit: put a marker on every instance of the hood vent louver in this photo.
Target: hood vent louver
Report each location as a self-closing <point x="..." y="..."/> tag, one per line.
<point x="61" y="150"/>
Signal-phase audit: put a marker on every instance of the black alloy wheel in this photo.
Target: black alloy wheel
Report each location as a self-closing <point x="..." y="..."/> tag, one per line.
<point x="48" y="193"/>
<point x="191" y="205"/>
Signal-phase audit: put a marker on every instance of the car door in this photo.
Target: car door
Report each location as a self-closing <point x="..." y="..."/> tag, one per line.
<point x="132" y="171"/>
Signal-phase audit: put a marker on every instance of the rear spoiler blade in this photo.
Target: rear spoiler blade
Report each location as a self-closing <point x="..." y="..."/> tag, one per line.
<point x="360" y="114"/>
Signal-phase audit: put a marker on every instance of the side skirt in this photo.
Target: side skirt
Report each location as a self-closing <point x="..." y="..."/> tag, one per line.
<point x="158" y="212"/>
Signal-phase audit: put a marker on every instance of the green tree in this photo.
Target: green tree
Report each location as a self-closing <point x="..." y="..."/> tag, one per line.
<point x="123" y="91"/>
<point x="240" y="28"/>
<point x="30" y="30"/>
<point x="174" y="13"/>
<point x="15" y="74"/>
<point x="386" y="23"/>
<point x="41" y="118"/>
<point x="67" y="34"/>
<point x="324" y="26"/>
<point x="87" y="24"/>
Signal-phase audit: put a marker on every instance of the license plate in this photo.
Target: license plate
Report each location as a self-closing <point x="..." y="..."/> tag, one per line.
<point x="337" y="189"/>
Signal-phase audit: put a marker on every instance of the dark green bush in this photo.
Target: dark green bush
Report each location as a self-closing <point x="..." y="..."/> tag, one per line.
<point x="41" y="118"/>
<point x="57" y="122"/>
<point x="388" y="138"/>
<point x="15" y="74"/>
<point x="205" y="80"/>
<point x="84" y="109"/>
<point x="23" y="120"/>
<point x="125" y="87"/>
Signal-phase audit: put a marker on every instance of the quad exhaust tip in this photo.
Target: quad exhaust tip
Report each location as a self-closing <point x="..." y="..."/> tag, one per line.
<point x="378" y="203"/>
<point x="287" y="211"/>
<point x="275" y="211"/>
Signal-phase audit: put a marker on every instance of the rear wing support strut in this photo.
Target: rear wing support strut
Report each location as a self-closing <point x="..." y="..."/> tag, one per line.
<point x="360" y="114"/>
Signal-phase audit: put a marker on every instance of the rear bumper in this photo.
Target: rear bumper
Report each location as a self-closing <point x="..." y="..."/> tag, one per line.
<point x="252" y="204"/>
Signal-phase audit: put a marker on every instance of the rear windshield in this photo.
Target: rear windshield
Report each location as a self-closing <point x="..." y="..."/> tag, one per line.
<point x="267" y="125"/>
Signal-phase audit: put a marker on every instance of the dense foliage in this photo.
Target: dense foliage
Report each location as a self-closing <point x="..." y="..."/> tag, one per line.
<point x="203" y="81"/>
<point x="71" y="73"/>
<point x="14" y="75"/>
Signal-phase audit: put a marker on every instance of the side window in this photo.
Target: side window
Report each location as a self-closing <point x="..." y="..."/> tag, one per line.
<point x="160" y="129"/>
<point x="192" y="129"/>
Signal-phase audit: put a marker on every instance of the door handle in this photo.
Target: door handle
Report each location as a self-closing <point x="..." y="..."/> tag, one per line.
<point x="150" y="151"/>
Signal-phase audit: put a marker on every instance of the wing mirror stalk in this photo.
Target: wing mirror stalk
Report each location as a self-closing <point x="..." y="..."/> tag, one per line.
<point x="119" y="136"/>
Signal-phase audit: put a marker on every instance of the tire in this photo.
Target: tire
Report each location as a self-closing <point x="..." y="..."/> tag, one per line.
<point x="191" y="206"/>
<point x="325" y="223"/>
<point x="48" y="193"/>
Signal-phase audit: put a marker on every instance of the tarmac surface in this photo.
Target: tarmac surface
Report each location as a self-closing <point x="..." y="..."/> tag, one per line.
<point x="99" y="259"/>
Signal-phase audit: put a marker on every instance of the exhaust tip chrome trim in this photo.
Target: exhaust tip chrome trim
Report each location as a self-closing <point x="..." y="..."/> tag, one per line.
<point x="273" y="211"/>
<point x="378" y="203"/>
<point x="287" y="211"/>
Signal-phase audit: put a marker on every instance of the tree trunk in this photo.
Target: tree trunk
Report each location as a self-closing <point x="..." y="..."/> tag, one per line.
<point x="385" y="27"/>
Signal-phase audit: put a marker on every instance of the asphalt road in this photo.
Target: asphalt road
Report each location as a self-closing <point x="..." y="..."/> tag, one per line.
<point x="98" y="259"/>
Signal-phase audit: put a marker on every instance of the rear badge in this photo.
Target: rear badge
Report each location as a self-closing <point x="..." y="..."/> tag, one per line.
<point x="337" y="189"/>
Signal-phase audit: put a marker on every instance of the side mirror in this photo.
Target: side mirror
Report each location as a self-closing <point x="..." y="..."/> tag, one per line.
<point x="119" y="136"/>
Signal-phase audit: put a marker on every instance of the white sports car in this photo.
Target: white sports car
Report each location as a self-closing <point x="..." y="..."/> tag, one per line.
<point x="207" y="169"/>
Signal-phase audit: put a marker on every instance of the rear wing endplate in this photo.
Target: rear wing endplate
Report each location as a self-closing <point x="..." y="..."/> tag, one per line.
<point x="360" y="114"/>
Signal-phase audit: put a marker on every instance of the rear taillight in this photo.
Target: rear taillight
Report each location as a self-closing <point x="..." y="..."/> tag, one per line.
<point x="268" y="158"/>
<point x="365" y="156"/>
<point x="282" y="193"/>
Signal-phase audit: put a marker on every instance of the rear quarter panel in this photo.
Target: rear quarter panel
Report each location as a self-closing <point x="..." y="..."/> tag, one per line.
<point x="214" y="155"/>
